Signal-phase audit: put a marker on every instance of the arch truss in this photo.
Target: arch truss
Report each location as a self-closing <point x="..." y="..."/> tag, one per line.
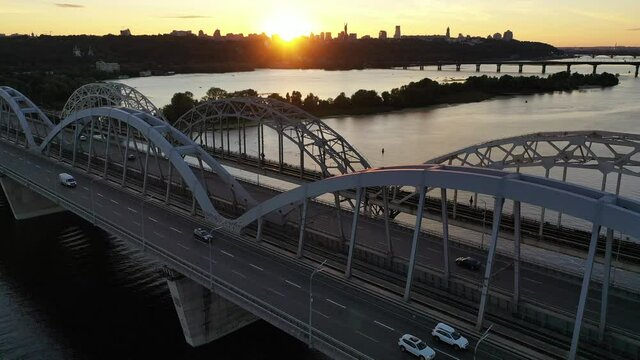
<point x="21" y="121"/>
<point x="208" y="124"/>
<point x="146" y="155"/>
<point x="109" y="94"/>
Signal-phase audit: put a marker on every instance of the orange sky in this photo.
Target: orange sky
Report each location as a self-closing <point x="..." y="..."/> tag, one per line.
<point x="558" y="22"/>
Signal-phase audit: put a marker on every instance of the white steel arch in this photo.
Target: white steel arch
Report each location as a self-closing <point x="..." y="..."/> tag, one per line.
<point x="109" y="94"/>
<point x="34" y="123"/>
<point x="313" y="137"/>
<point x="156" y="131"/>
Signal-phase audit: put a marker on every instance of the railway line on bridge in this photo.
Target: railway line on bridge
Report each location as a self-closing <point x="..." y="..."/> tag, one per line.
<point x="303" y="231"/>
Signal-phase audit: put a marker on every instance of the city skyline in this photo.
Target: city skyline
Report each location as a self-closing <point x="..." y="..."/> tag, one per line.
<point x="572" y="23"/>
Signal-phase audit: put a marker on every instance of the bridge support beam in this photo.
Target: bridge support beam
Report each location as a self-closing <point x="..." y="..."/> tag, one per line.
<point x="497" y="216"/>
<point x="414" y="244"/>
<point x="544" y="69"/>
<point x="439" y="67"/>
<point x="458" y="66"/>
<point x="637" y="69"/>
<point x="445" y="233"/>
<point x="385" y="199"/>
<point x="520" y="66"/>
<point x="517" y="235"/>
<point x="564" y="179"/>
<point x="477" y="67"/>
<point x="303" y="221"/>
<point x="354" y="230"/>
<point x="605" y="285"/>
<point x="569" y="68"/>
<point x="24" y="203"/>
<point x="498" y="67"/>
<point x="595" y="68"/>
<point x="204" y="315"/>
<point x="595" y="231"/>
<point x="421" y="67"/>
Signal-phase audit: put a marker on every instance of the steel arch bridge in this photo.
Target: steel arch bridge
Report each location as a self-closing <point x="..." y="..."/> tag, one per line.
<point x="314" y="139"/>
<point x="110" y="94"/>
<point x="21" y="120"/>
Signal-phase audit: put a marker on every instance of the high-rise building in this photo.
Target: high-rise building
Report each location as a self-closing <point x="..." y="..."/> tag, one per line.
<point x="327" y="35"/>
<point x="448" y="35"/>
<point x="397" y="34"/>
<point x="382" y="34"/>
<point x="125" y="32"/>
<point x="201" y="34"/>
<point x="497" y="36"/>
<point x="508" y="35"/>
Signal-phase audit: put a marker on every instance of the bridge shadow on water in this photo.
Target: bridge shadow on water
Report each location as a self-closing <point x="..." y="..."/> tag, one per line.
<point x="70" y="291"/>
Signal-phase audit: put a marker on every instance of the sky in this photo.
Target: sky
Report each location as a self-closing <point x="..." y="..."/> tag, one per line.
<point x="558" y="22"/>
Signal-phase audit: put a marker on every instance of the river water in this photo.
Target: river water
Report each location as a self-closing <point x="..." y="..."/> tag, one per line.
<point x="69" y="291"/>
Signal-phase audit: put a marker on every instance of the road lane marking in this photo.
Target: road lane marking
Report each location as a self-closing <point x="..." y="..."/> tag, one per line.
<point x="367" y="336"/>
<point x="115" y="202"/>
<point x="86" y="188"/>
<point x="182" y="246"/>
<point x="275" y="292"/>
<point x="318" y="312"/>
<point x="445" y="353"/>
<point x="207" y="259"/>
<point x="293" y="284"/>
<point x="336" y="304"/>
<point x="100" y="195"/>
<point x="226" y="253"/>
<point x="176" y="230"/>
<point x="383" y="325"/>
<point x="158" y="234"/>
<point x="534" y="281"/>
<point x="135" y="223"/>
<point x="152" y="219"/>
<point x="117" y="213"/>
<point x="256" y="267"/>
<point x="38" y="166"/>
<point x="132" y="210"/>
<point x="239" y="274"/>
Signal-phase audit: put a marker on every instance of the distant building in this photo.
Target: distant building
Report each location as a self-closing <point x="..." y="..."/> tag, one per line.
<point x="382" y="34"/>
<point x="3" y="35"/>
<point x="353" y="36"/>
<point x="397" y="34"/>
<point x="107" y="67"/>
<point x="216" y="34"/>
<point x="508" y="35"/>
<point x="322" y="36"/>
<point x="232" y="36"/>
<point x="366" y="37"/>
<point x="125" y="32"/>
<point x="327" y="35"/>
<point x="489" y="37"/>
<point x="448" y="34"/>
<point x="201" y="34"/>
<point x="497" y="36"/>
<point x="181" y="33"/>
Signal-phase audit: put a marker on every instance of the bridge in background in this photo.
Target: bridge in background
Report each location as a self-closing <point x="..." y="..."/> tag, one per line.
<point x="151" y="183"/>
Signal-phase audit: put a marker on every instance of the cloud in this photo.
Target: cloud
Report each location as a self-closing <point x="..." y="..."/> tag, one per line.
<point x="186" y="17"/>
<point x="68" y="6"/>
<point x="634" y="29"/>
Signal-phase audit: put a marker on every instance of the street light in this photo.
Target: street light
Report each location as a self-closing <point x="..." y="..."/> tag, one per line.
<point x="486" y="333"/>
<point x="484" y="217"/>
<point x="311" y="296"/>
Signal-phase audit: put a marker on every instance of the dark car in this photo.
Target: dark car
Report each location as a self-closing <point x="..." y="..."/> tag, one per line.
<point x="468" y="262"/>
<point x="202" y="235"/>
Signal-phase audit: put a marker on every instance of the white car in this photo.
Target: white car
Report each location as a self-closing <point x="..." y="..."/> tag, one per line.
<point x="67" y="180"/>
<point x="449" y="335"/>
<point x="415" y="346"/>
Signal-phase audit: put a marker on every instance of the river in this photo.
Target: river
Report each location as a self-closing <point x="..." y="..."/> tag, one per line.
<point x="69" y="291"/>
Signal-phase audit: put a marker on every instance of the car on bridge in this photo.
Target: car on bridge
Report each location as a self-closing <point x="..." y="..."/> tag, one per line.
<point x="202" y="235"/>
<point x="468" y="262"/>
<point x="447" y="334"/>
<point x="67" y="180"/>
<point x="413" y="345"/>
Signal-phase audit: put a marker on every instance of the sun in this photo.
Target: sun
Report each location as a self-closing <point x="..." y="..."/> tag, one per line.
<point x="288" y="24"/>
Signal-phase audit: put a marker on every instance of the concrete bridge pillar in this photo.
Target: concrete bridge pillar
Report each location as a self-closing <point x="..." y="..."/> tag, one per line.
<point x="421" y="67"/>
<point x="544" y="69"/>
<point x="24" y="203"/>
<point x="204" y="315"/>
<point x="477" y="67"/>
<point x="520" y="66"/>
<point x="595" y="67"/>
<point x="569" y="68"/>
<point x="458" y="67"/>
<point x="439" y="67"/>
<point x="498" y="67"/>
<point x="637" y="68"/>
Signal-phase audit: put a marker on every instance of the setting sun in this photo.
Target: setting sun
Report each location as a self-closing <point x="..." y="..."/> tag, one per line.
<point x="288" y="24"/>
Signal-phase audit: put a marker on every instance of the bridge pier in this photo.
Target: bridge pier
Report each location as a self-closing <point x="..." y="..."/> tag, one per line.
<point x="458" y="67"/>
<point x="477" y="67"/>
<point x="498" y="67"/>
<point x="637" y="68"/>
<point x="24" y="203"/>
<point x="544" y="69"/>
<point x="439" y="67"/>
<point x="569" y="68"/>
<point x="421" y="67"/>
<point x="404" y="68"/>
<point x="204" y="315"/>
<point x="595" y="67"/>
<point x="520" y="66"/>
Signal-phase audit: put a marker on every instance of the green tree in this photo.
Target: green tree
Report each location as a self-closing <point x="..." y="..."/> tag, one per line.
<point x="180" y="104"/>
<point x="341" y="101"/>
<point x="244" y="93"/>
<point x="215" y="93"/>
<point x="296" y="98"/>
<point x="366" y="99"/>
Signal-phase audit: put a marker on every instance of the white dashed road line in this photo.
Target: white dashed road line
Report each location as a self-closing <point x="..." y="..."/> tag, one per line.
<point x="383" y="325"/>
<point x="256" y="267"/>
<point x="100" y="205"/>
<point x="226" y="253"/>
<point x="100" y="195"/>
<point x="117" y="213"/>
<point x="132" y="210"/>
<point x="534" y="281"/>
<point x="275" y="292"/>
<point x="336" y="304"/>
<point x="182" y="246"/>
<point x="239" y="274"/>
<point x="293" y="284"/>
<point x="135" y="223"/>
<point x="445" y="353"/>
<point x="158" y="234"/>
<point x="176" y="230"/>
<point x="366" y="336"/>
<point x="86" y="188"/>
<point x="152" y="219"/>
<point x="319" y="313"/>
<point x="115" y="202"/>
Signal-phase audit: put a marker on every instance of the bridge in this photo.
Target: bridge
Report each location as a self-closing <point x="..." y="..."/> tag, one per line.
<point x="329" y="261"/>
<point x="521" y="64"/>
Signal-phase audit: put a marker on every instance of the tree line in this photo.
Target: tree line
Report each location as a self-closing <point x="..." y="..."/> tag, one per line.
<point x="425" y="92"/>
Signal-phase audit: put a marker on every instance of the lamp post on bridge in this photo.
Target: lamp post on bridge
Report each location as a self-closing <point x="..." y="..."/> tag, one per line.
<point x="320" y="268"/>
<point x="484" y="336"/>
